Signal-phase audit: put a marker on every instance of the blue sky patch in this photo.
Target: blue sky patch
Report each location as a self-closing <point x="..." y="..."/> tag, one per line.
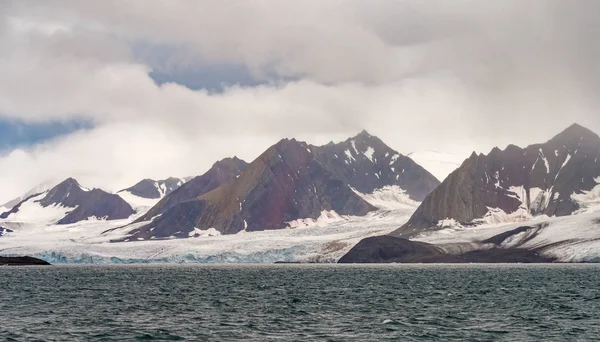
<point x="16" y="133"/>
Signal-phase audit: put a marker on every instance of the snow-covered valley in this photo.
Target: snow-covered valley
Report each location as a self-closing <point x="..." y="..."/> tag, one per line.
<point x="89" y="242"/>
<point x="574" y="238"/>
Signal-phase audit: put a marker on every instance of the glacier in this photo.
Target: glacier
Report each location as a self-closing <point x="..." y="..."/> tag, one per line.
<point x="574" y="238"/>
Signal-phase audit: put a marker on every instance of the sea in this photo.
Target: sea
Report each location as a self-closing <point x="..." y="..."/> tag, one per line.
<point x="287" y="302"/>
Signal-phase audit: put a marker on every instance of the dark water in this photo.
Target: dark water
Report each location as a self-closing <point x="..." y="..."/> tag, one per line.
<point x="294" y="302"/>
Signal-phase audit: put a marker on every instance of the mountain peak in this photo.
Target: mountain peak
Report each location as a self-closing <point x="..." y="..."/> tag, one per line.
<point x="229" y="163"/>
<point x="575" y="132"/>
<point x="69" y="181"/>
<point x="364" y="133"/>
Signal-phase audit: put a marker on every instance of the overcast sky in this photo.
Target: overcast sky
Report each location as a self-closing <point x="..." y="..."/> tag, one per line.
<point x="168" y="87"/>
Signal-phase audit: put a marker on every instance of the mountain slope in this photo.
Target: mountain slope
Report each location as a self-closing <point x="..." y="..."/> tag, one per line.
<point x="285" y="183"/>
<point x="149" y="188"/>
<point x="366" y="163"/>
<point x="550" y="179"/>
<point x="36" y="190"/>
<point x="220" y="173"/>
<point x="69" y="202"/>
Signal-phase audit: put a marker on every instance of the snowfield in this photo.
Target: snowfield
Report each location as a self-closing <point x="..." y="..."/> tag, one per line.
<point x="89" y="242"/>
<point x="574" y="238"/>
<point x="324" y="239"/>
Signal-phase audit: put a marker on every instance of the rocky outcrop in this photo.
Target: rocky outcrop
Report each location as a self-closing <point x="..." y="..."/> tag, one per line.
<point x="366" y="163"/>
<point x="220" y="173"/>
<point x="392" y="249"/>
<point x="539" y="179"/>
<point x="287" y="182"/>
<point x="22" y="261"/>
<point x="149" y="188"/>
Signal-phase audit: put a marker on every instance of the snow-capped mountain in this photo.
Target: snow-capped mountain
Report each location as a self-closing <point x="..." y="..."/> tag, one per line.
<point x="35" y="190"/>
<point x="66" y="203"/>
<point x="293" y="183"/>
<point x="285" y="183"/>
<point x="556" y="178"/>
<point x="220" y="173"/>
<point x="148" y="192"/>
<point x="439" y="164"/>
<point x="366" y="163"/>
<point x="149" y="188"/>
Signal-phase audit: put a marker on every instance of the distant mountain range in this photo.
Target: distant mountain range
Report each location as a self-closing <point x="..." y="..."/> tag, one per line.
<point x="532" y="204"/>
<point x="516" y="183"/>
<point x="291" y="180"/>
<point x="557" y="178"/>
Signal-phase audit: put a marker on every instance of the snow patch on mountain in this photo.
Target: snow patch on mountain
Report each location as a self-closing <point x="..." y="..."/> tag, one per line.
<point x="326" y="217"/>
<point x="574" y="238"/>
<point x="139" y="204"/>
<point x="369" y="154"/>
<point x="588" y="200"/>
<point x="498" y="216"/>
<point x="33" y="213"/>
<point x="197" y="232"/>
<point x="389" y="198"/>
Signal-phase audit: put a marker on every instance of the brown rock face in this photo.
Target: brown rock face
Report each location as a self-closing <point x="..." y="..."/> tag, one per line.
<point x="285" y="183"/>
<point x="549" y="174"/>
<point x="220" y="173"/>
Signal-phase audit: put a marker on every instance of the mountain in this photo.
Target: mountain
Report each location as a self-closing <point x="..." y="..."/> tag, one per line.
<point x="285" y="183"/>
<point x="556" y="178"/>
<point x="387" y="249"/>
<point x="439" y="164"/>
<point x="366" y="164"/>
<point x="69" y="202"/>
<point x="220" y="173"/>
<point x="149" y="188"/>
<point x="36" y="190"/>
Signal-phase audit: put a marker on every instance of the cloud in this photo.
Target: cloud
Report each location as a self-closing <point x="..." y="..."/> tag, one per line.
<point x="454" y="76"/>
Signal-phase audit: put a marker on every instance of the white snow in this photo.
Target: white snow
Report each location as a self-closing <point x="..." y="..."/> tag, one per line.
<point x="574" y="238"/>
<point x="545" y="161"/>
<point x="394" y="158"/>
<point x="449" y="223"/>
<point x="588" y="201"/>
<point x="327" y="217"/>
<point x="354" y="146"/>
<point x="325" y="239"/>
<point x="369" y="154"/>
<point x="33" y="213"/>
<point x="139" y="204"/>
<point x="562" y="166"/>
<point x="197" y="232"/>
<point x="539" y="199"/>
<point x="389" y="198"/>
<point x="497" y="215"/>
<point x="349" y="155"/>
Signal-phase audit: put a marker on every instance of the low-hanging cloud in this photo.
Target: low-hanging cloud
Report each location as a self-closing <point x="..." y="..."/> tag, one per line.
<point x="453" y="76"/>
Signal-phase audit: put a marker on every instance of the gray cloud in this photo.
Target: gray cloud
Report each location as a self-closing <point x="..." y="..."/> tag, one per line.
<point x="448" y="75"/>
